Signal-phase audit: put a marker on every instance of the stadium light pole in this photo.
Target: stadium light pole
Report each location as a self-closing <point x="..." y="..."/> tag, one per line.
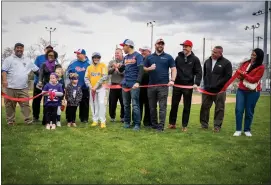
<point x="50" y="30"/>
<point x="151" y="24"/>
<point x="258" y="40"/>
<point x="253" y="27"/>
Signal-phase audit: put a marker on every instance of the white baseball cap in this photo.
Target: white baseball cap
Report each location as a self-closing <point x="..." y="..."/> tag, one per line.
<point x="145" y="48"/>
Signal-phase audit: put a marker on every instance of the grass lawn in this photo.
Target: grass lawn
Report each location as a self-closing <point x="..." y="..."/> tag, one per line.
<point x="33" y="155"/>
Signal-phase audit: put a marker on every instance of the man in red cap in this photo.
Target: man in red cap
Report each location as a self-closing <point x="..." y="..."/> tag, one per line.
<point x="189" y="72"/>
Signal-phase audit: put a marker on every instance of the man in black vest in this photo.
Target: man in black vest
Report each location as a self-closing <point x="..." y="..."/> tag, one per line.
<point x="143" y="95"/>
<point x="217" y="70"/>
<point x="189" y="72"/>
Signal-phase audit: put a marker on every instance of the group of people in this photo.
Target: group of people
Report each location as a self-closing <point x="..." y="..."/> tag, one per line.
<point x="82" y="85"/>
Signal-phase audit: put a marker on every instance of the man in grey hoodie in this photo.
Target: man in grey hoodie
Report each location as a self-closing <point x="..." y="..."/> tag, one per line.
<point x="116" y="78"/>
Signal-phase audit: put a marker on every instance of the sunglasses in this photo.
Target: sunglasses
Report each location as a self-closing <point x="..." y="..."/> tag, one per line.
<point x="51" y="55"/>
<point x="161" y="43"/>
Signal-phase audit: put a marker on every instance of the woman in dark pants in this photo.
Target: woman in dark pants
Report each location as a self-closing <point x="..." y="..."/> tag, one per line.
<point x="45" y="70"/>
<point x="248" y="91"/>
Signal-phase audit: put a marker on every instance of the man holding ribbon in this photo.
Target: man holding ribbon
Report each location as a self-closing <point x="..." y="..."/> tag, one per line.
<point x="189" y="73"/>
<point x="217" y="71"/>
<point x="133" y="66"/>
<point x="15" y="70"/>
<point x="158" y="65"/>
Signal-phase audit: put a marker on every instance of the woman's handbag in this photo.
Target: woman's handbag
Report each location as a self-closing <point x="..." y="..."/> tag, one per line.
<point x="251" y="86"/>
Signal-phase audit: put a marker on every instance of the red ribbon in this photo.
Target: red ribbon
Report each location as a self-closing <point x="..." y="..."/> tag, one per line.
<point x="21" y="99"/>
<point x="179" y="86"/>
<point x="52" y="94"/>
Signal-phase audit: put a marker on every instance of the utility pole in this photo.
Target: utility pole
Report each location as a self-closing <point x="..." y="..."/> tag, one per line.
<point x="265" y="44"/>
<point x="203" y="58"/>
<point x="260" y="12"/>
<point x="151" y="24"/>
<point x="253" y="27"/>
<point x="269" y="63"/>
<point x="50" y="30"/>
<point x="258" y="40"/>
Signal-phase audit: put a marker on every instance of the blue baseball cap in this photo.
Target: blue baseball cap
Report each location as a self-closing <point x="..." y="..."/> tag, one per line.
<point x="80" y="51"/>
<point x="127" y="42"/>
<point x="96" y="54"/>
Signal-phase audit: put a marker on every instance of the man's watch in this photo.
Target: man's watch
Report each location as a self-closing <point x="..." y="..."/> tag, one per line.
<point x="172" y="80"/>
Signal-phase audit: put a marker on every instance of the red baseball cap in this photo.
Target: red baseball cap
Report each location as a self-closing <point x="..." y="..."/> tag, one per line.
<point x="187" y="43"/>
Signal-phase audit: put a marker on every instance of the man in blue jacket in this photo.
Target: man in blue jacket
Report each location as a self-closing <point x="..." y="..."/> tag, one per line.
<point x="133" y="66"/>
<point x="36" y="102"/>
<point x="79" y="66"/>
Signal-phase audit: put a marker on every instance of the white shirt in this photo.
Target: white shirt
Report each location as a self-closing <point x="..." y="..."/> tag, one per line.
<point x="213" y="63"/>
<point x="17" y="70"/>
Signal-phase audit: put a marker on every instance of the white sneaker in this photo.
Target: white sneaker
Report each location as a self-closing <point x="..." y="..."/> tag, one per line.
<point x="248" y="134"/>
<point x="48" y="127"/>
<point x="237" y="133"/>
<point x="58" y="124"/>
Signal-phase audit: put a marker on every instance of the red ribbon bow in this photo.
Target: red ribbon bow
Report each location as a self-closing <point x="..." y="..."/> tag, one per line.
<point x="52" y="95"/>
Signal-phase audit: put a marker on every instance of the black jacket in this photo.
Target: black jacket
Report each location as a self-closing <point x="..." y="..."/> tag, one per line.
<point x="189" y="72"/>
<point x="145" y="78"/>
<point x="69" y="95"/>
<point x="44" y="74"/>
<point x="215" y="80"/>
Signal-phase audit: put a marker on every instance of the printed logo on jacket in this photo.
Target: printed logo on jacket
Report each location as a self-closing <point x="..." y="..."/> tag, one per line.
<point x="79" y="69"/>
<point x="130" y="61"/>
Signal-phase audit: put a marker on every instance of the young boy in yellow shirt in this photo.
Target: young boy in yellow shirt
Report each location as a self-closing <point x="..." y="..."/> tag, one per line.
<point x="96" y="75"/>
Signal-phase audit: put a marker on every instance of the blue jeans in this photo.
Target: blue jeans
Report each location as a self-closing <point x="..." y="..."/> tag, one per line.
<point x="127" y="97"/>
<point x="245" y="101"/>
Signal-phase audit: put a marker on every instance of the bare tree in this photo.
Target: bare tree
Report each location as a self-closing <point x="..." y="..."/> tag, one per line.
<point x="31" y="54"/>
<point x="62" y="59"/>
<point x="6" y="53"/>
<point x="42" y="44"/>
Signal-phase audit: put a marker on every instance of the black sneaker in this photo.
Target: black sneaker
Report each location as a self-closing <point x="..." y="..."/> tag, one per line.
<point x="35" y="120"/>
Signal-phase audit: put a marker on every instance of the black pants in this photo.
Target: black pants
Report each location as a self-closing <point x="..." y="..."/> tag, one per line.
<point x="176" y="98"/>
<point x="84" y="106"/>
<point x="115" y="95"/>
<point x="144" y="104"/>
<point x="50" y="114"/>
<point x="158" y="94"/>
<point x="36" y="102"/>
<point x="207" y="102"/>
<point x="71" y="113"/>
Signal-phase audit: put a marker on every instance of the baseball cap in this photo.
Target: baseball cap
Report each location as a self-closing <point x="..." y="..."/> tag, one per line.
<point x="96" y="54"/>
<point x="187" y="43"/>
<point x="159" y="40"/>
<point x="49" y="47"/>
<point x="145" y="48"/>
<point x="80" y="51"/>
<point x="18" y="44"/>
<point x="127" y="42"/>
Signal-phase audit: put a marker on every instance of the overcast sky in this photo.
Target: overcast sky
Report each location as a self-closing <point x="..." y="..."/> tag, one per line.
<point x="99" y="26"/>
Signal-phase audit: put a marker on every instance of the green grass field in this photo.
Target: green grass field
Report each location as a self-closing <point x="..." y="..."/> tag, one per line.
<point x="33" y="155"/>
